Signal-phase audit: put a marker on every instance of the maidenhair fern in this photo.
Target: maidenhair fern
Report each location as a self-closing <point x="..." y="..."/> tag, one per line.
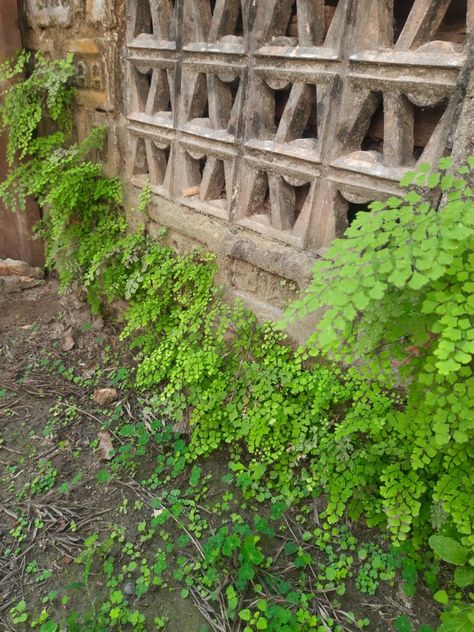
<point x="81" y="207"/>
<point x="398" y="297"/>
<point x="44" y="92"/>
<point x="398" y="292"/>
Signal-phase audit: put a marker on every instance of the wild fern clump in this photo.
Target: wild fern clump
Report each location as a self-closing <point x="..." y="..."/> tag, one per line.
<point x="27" y="100"/>
<point x="81" y="207"/>
<point x="398" y="292"/>
<point x="398" y="299"/>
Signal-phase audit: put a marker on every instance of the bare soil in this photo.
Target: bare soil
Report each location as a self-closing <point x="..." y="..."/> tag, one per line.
<point x="48" y="419"/>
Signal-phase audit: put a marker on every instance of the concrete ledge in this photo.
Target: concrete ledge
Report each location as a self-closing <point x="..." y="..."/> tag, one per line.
<point x="228" y="239"/>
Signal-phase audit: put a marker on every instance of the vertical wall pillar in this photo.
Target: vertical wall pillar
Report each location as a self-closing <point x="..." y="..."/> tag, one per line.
<point x="15" y="229"/>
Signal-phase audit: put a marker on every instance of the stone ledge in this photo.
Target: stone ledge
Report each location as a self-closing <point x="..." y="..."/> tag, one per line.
<point x="229" y="240"/>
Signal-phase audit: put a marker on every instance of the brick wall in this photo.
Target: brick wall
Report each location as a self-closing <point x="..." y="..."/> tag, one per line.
<point x="15" y="230"/>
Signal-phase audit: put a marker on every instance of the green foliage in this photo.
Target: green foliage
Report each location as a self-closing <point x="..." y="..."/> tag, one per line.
<point x="44" y="481"/>
<point x="458" y="615"/>
<point x="403" y="624"/>
<point x="44" y="92"/>
<point x="19" y="612"/>
<point x="449" y="549"/>
<point x="457" y="618"/>
<point x="376" y="566"/>
<point x="225" y="567"/>
<point x="230" y="378"/>
<point x="81" y="207"/>
<point x="398" y="292"/>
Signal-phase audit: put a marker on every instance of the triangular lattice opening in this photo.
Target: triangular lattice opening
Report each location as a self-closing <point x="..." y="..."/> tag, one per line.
<point x="199" y="104"/>
<point x="222" y="100"/>
<point x="202" y="166"/>
<point x="401" y="11"/>
<point x="232" y="122"/>
<point x="214" y="185"/>
<point x="142" y="88"/>
<point x="311" y="126"/>
<point x="329" y="11"/>
<point x="162" y="101"/>
<point x="426" y="121"/>
<point x="228" y="23"/>
<point x="143" y="20"/>
<point x="281" y="101"/>
<point x="454" y="25"/>
<point x="152" y="91"/>
<point x="276" y="203"/>
<point x="156" y="18"/>
<point x="260" y="196"/>
<point x="221" y="180"/>
<point x="373" y="139"/>
<point x="316" y="24"/>
<point x="292" y="28"/>
<point x="301" y="197"/>
<point x="239" y="25"/>
<point x="161" y="158"/>
<point x="354" y="209"/>
<point x="140" y="166"/>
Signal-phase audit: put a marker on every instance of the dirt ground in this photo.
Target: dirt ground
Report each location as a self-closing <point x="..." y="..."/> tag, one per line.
<point x="33" y="323"/>
<point x="60" y="485"/>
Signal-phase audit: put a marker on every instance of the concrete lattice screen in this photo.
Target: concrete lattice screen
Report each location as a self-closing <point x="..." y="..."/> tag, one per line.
<point x="287" y="117"/>
<point x="264" y="126"/>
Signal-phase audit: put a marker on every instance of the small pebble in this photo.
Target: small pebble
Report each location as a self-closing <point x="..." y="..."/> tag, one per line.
<point x="105" y="396"/>
<point x="128" y="589"/>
